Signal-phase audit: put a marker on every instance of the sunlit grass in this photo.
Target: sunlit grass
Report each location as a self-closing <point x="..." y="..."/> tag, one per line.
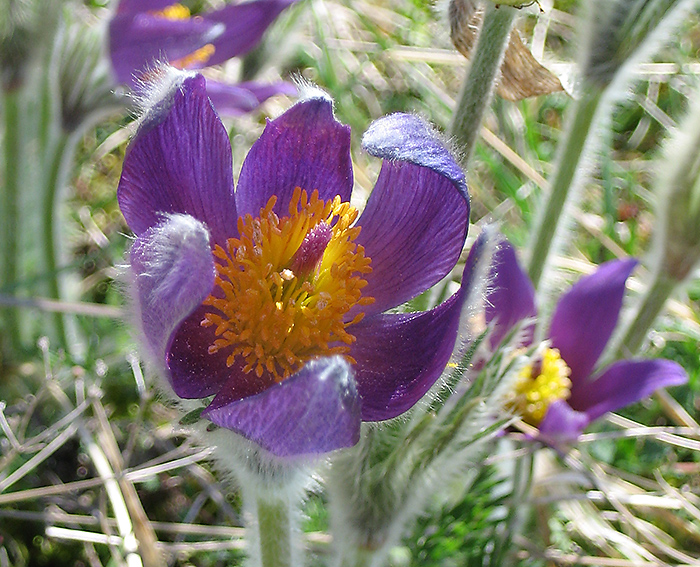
<point x="628" y="495"/>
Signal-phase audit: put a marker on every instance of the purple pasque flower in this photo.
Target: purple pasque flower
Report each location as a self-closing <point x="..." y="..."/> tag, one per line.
<point x="145" y="33"/>
<point x="562" y="392"/>
<point x="274" y="297"/>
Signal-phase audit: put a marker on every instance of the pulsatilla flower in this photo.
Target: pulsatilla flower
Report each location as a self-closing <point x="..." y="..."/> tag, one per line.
<point x="145" y="33"/>
<point x="273" y="297"/>
<point x="559" y="392"/>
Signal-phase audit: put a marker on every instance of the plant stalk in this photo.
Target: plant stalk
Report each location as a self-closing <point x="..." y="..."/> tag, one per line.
<point x="55" y="181"/>
<point x="577" y="137"/>
<point x="12" y="145"/>
<point x="646" y="312"/>
<point x="522" y="487"/>
<point x="275" y="530"/>
<point x="478" y="86"/>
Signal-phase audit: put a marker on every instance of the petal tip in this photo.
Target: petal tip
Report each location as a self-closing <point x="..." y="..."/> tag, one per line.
<point x="626" y="382"/>
<point x="173" y="272"/>
<point x="157" y="95"/>
<point x="407" y="137"/>
<point x="309" y="91"/>
<point x="562" y="424"/>
<point x="315" y="411"/>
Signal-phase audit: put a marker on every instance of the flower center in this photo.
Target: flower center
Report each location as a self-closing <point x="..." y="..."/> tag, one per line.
<point x="173" y="12"/>
<point x="539" y="384"/>
<point x="285" y="285"/>
<point x="201" y="55"/>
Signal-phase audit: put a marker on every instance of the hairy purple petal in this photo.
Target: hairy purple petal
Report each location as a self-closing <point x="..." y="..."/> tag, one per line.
<point x="405" y="137"/>
<point x="313" y="411"/>
<point x="486" y="243"/>
<point x="236" y="99"/>
<point x="172" y="272"/>
<point x="305" y="147"/>
<point x="511" y="297"/>
<point x="401" y="355"/>
<point x="586" y="315"/>
<point x="624" y="383"/>
<point x="245" y="25"/>
<point x="137" y="41"/>
<point x="416" y="219"/>
<point x="180" y="162"/>
<point x="562" y="423"/>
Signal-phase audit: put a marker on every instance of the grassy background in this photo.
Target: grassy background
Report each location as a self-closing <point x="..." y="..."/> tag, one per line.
<point x="628" y="494"/>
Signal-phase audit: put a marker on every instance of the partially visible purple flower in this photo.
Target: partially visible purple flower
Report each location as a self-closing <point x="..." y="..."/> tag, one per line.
<point x="274" y="297"/>
<point x="144" y="34"/>
<point x="561" y="393"/>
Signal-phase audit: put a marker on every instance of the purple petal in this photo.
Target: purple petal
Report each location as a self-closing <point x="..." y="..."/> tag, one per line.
<point x="586" y="316"/>
<point x="180" y="162"/>
<point x="245" y="25"/>
<point x="236" y="99"/>
<point x="480" y="258"/>
<point x="416" y="219"/>
<point x="231" y="99"/>
<point x="138" y="41"/>
<point x="624" y="383"/>
<point x="194" y="373"/>
<point x="305" y="147"/>
<point x="312" y="412"/>
<point x="400" y="356"/>
<point x="263" y="91"/>
<point x="405" y="137"/>
<point x="561" y="423"/>
<point x="488" y="238"/>
<point x="172" y="271"/>
<point x="511" y="297"/>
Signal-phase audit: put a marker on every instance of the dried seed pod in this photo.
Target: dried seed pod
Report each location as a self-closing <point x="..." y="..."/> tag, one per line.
<point x="522" y="76"/>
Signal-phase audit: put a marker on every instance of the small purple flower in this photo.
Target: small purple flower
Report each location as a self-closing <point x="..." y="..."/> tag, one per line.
<point x="274" y="297"/>
<point x="146" y="33"/>
<point x="560" y="393"/>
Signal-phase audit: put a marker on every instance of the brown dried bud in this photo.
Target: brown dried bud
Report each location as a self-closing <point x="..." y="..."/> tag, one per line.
<point x="522" y="76"/>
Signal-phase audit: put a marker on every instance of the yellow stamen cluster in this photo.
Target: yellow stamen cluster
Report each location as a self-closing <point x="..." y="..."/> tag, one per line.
<point x="276" y="319"/>
<point x="539" y="384"/>
<point x="173" y="12"/>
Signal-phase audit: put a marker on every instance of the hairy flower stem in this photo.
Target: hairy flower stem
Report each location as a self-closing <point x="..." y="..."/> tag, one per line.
<point x="478" y="86"/>
<point x="10" y="209"/>
<point x="522" y="488"/>
<point x="272" y="490"/>
<point x="578" y="135"/>
<point x="275" y="530"/>
<point x="646" y="312"/>
<point x="57" y="177"/>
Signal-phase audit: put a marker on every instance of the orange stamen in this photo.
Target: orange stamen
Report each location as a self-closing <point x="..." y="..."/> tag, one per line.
<point x="276" y="319"/>
<point x="201" y="56"/>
